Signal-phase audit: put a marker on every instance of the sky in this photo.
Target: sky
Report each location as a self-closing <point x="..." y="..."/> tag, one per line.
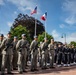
<point x="61" y="16"/>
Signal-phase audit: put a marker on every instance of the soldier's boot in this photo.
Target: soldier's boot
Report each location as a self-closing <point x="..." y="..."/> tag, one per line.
<point x="40" y="64"/>
<point x="23" y="67"/>
<point x="2" y="73"/>
<point x="35" y="67"/>
<point x="20" y="69"/>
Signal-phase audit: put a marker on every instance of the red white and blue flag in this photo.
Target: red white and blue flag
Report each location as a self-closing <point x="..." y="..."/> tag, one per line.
<point x="34" y="11"/>
<point x="43" y="17"/>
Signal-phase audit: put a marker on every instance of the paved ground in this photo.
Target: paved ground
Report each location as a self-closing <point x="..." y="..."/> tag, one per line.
<point x="57" y="71"/>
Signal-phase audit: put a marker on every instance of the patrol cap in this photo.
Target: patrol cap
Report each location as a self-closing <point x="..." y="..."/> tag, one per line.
<point x="15" y="37"/>
<point x="9" y="33"/>
<point x="23" y="35"/>
<point x="35" y="36"/>
<point x="1" y="35"/>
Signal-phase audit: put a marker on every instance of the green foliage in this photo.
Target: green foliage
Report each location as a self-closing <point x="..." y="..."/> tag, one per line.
<point x="19" y="30"/>
<point x="29" y="23"/>
<point x="42" y="36"/>
<point x="73" y="43"/>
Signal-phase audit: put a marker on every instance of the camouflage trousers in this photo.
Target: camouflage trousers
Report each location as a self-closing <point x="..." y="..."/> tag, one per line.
<point x="6" y="60"/>
<point x="15" y="59"/>
<point x="34" y="60"/>
<point x="44" y="58"/>
<point x="51" y="56"/>
<point x="22" y="61"/>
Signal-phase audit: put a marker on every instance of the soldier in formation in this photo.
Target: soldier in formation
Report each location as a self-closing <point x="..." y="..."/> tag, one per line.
<point x="34" y="53"/>
<point x="44" y="53"/>
<point x="22" y="53"/>
<point x="40" y="54"/>
<point x="1" y="39"/>
<point x="6" y="47"/>
<point x="51" y="53"/>
<point x="55" y="54"/>
<point x="59" y="57"/>
<point x="15" y="53"/>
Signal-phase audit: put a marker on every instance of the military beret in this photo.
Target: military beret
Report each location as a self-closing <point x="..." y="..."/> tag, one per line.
<point x="1" y="35"/>
<point x="23" y="34"/>
<point x="52" y="39"/>
<point x="35" y="36"/>
<point x="9" y="32"/>
<point x="45" y="38"/>
<point x="15" y="36"/>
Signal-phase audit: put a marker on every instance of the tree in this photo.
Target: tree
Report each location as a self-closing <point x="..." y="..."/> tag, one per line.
<point x="73" y="43"/>
<point x="19" y="30"/>
<point x="42" y="36"/>
<point x="29" y="23"/>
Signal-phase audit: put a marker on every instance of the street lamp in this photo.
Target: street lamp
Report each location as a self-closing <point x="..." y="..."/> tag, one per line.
<point x="64" y="36"/>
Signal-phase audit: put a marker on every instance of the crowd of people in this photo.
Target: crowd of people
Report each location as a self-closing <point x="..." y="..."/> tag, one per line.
<point x="15" y="54"/>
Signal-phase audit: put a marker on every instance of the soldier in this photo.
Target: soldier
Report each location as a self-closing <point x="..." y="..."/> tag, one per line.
<point x="65" y="54"/>
<point x="1" y="39"/>
<point x="15" y="53"/>
<point x="44" y="53"/>
<point x="69" y="55"/>
<point x="56" y="54"/>
<point x="34" y="53"/>
<point x="75" y="55"/>
<point x="40" y="55"/>
<point x="7" y="52"/>
<point x="72" y="55"/>
<point x="59" y="55"/>
<point x="51" y="53"/>
<point x="22" y="53"/>
<point x="28" y="53"/>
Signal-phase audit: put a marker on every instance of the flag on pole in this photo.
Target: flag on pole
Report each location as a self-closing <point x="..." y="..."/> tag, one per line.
<point x="43" y="17"/>
<point x="34" y="11"/>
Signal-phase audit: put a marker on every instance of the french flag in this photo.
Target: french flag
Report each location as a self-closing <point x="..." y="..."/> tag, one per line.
<point x="43" y="17"/>
<point x="34" y="11"/>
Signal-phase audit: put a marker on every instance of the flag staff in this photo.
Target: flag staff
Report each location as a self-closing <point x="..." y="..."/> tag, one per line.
<point x="35" y="26"/>
<point x="35" y="12"/>
<point x="45" y="28"/>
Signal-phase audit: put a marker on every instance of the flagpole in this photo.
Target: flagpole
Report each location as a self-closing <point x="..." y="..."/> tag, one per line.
<point x="35" y="23"/>
<point x="35" y="26"/>
<point x="44" y="19"/>
<point x="45" y="29"/>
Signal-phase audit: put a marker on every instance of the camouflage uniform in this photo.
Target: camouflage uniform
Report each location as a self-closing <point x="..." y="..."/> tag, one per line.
<point x="44" y="54"/>
<point x="1" y="39"/>
<point x="28" y="53"/>
<point x="0" y="56"/>
<point x="22" y="54"/>
<point x="51" y="55"/>
<point x="40" y="54"/>
<point x="7" y="53"/>
<point x="15" y="54"/>
<point x="34" y="53"/>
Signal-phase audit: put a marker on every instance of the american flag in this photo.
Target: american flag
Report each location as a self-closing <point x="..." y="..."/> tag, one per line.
<point x="34" y="11"/>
